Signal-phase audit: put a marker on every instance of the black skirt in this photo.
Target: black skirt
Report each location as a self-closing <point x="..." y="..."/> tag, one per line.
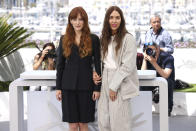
<point x="78" y="106"/>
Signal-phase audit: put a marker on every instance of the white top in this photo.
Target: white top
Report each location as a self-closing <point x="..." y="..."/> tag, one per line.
<point x="109" y="61"/>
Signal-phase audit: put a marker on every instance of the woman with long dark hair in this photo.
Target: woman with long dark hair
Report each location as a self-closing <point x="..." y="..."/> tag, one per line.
<point x="78" y="51"/>
<point x="44" y="60"/>
<point x="119" y="78"/>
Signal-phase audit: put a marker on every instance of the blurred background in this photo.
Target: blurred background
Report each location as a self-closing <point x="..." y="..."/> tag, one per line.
<point x="48" y="18"/>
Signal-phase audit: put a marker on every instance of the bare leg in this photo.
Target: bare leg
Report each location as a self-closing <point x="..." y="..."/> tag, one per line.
<point x="73" y="126"/>
<point x="83" y="126"/>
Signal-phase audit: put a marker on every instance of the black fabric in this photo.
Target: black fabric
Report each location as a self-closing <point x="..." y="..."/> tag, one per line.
<point x="74" y="70"/>
<point x="181" y="84"/>
<point x="77" y="106"/>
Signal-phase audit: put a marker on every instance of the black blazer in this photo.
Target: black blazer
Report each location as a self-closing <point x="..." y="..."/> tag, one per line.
<point x="74" y="72"/>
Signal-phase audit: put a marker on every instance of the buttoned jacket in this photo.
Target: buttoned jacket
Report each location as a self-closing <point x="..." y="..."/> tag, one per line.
<point x="74" y="72"/>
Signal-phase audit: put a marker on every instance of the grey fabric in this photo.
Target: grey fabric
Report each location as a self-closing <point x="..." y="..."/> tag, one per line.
<point x="125" y="77"/>
<point x="113" y="115"/>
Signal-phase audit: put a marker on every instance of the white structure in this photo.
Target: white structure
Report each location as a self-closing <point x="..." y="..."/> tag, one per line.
<point x="16" y="97"/>
<point x="48" y="117"/>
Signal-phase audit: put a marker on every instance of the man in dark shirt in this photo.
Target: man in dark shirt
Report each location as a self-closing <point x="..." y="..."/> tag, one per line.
<point x="163" y="63"/>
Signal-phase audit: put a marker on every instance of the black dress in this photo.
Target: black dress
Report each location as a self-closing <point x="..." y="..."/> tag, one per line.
<point x="74" y="78"/>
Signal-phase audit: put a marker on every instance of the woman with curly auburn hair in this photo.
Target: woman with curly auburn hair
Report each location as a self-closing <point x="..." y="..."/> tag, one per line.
<point x="119" y="78"/>
<point x="78" y="51"/>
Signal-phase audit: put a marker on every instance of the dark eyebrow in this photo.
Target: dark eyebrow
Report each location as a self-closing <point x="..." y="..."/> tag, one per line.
<point x="115" y="16"/>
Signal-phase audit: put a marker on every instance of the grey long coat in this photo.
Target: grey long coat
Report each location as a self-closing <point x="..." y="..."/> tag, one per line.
<point x="125" y="78"/>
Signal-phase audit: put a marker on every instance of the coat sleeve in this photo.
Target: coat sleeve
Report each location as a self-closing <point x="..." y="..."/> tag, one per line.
<point x="127" y="63"/>
<point x="60" y="65"/>
<point x="96" y="61"/>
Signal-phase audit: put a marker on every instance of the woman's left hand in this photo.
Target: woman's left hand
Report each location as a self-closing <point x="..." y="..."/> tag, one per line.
<point x="113" y="95"/>
<point x="95" y="95"/>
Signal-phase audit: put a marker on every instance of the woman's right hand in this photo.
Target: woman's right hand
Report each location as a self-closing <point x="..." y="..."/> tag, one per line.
<point x="44" y="52"/>
<point x="59" y="95"/>
<point x="96" y="78"/>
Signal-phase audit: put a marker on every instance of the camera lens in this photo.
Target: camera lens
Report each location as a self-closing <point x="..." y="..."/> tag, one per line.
<point x="149" y="51"/>
<point x="51" y="53"/>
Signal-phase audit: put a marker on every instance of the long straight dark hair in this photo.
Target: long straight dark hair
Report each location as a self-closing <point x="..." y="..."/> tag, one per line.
<point x="107" y="32"/>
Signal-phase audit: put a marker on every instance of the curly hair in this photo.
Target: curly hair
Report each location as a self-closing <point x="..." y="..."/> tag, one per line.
<point x="85" y="46"/>
<point x="107" y="32"/>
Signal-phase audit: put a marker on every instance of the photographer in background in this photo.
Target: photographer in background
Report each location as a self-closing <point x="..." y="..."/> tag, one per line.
<point x="45" y="60"/>
<point x="159" y="35"/>
<point x="163" y="63"/>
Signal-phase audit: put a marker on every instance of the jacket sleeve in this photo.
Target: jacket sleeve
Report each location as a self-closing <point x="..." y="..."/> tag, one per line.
<point x="60" y="65"/>
<point x="127" y="63"/>
<point x="97" y="61"/>
<point x="169" y="47"/>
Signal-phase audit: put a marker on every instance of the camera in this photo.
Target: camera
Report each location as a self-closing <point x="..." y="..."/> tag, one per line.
<point x="149" y="51"/>
<point x="51" y="54"/>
